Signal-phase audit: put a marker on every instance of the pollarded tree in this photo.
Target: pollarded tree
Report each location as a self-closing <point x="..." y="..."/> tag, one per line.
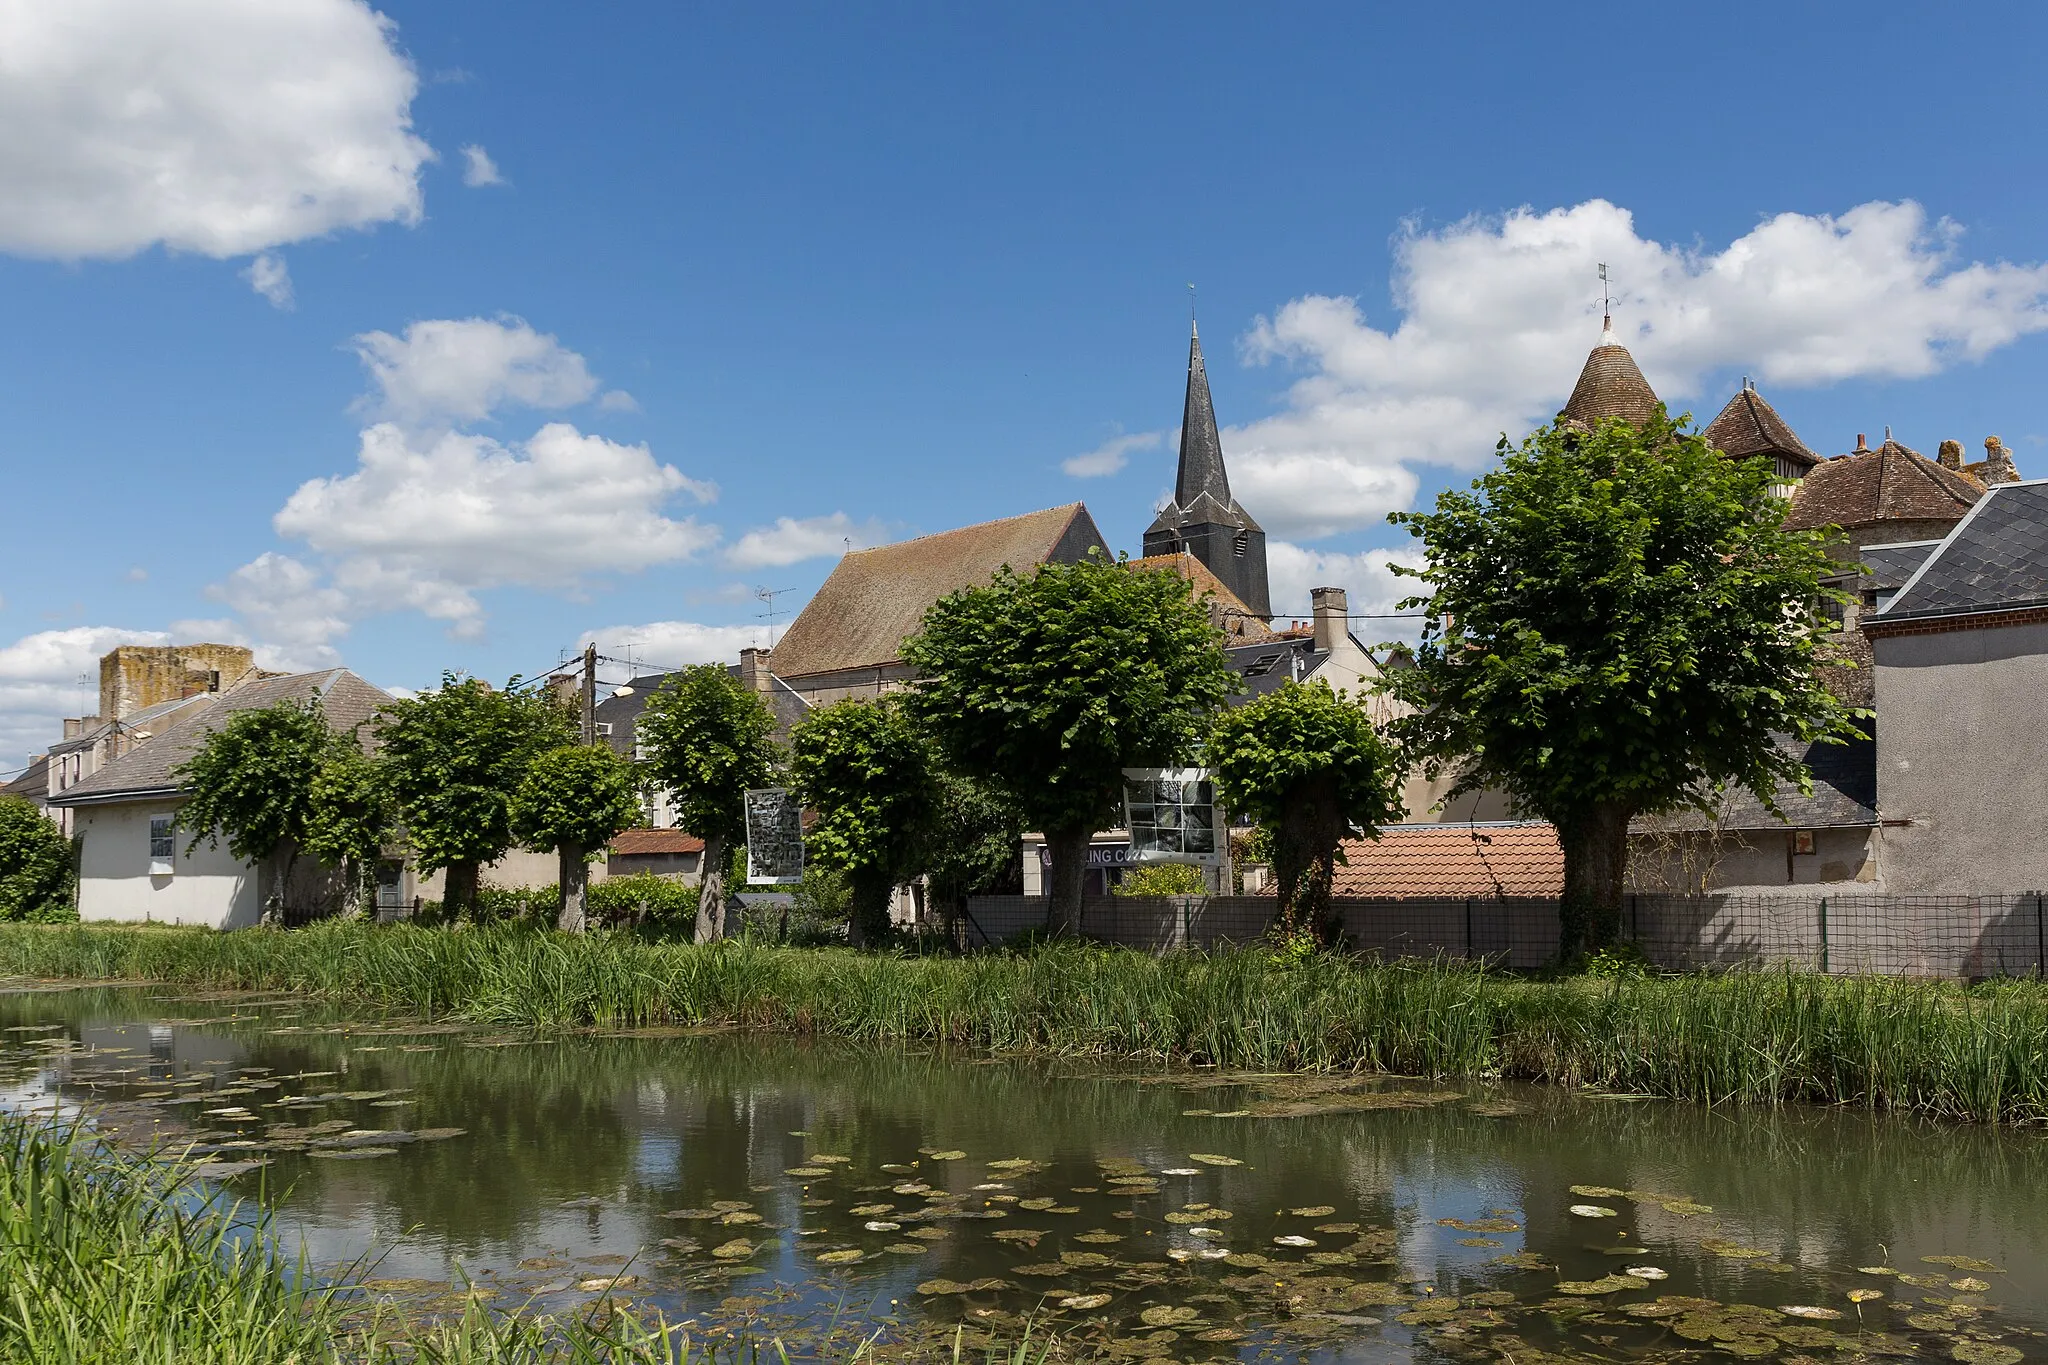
<point x="868" y="770"/>
<point x="1618" y="622"/>
<point x="1051" y="684"/>
<point x="350" y="820"/>
<point x="35" y="864"/>
<point x="453" y="759"/>
<point x="252" y="781"/>
<point x="1307" y="765"/>
<point x="708" y="741"/>
<point x="972" y="843"/>
<point x="575" y="800"/>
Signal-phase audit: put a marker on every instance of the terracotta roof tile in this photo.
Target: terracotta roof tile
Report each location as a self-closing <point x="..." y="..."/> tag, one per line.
<point x="1749" y="426"/>
<point x="1609" y="386"/>
<point x="1228" y="611"/>
<point x="876" y="599"/>
<point x="1891" y="483"/>
<point x="1454" y="860"/>
<point x="650" y="841"/>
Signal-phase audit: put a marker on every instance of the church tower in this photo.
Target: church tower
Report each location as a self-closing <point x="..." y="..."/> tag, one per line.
<point x="1203" y="519"/>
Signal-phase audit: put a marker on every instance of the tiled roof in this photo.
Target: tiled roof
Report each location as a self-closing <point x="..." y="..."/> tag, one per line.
<point x="641" y="842"/>
<point x="1844" y="794"/>
<point x="1262" y="667"/>
<point x="1891" y="483"/>
<point x="876" y="599"/>
<point x="1609" y="386"/>
<point x="1996" y="559"/>
<point x="1232" y="616"/>
<point x="1749" y="426"/>
<point x="149" y="769"/>
<point x="1510" y="860"/>
<point x="34" y="783"/>
<point x="1889" y="566"/>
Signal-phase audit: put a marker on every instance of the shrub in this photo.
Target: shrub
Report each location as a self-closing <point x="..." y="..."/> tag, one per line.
<point x="1162" y="879"/>
<point x="36" y="871"/>
<point x="669" y="903"/>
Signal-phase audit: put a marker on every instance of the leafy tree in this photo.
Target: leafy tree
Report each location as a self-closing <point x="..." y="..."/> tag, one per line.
<point x="574" y="800"/>
<point x="1307" y="764"/>
<point x="867" y="768"/>
<point x="252" y="781"/>
<point x="707" y="741"/>
<point x="972" y="843"/>
<point x="453" y="759"/>
<point x="1618" y="622"/>
<point x="350" y="820"/>
<point x="1051" y="684"/>
<point x="35" y="864"/>
<point x="1162" y="879"/>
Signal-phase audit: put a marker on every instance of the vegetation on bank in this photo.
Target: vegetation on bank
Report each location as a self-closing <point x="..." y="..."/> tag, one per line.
<point x="1761" y="1037"/>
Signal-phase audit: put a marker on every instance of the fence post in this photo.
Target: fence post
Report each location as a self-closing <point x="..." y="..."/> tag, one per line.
<point x="1186" y="925"/>
<point x="2040" y="939"/>
<point x="1823" y="935"/>
<point x="1468" y="926"/>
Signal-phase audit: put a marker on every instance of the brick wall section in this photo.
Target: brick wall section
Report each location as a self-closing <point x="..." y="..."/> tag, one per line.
<point x="1943" y="625"/>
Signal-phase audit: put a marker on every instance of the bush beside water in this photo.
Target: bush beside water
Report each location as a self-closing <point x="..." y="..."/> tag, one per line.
<point x="1760" y="1037"/>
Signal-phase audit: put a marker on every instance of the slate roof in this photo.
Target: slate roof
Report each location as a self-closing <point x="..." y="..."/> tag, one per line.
<point x="1844" y="793"/>
<point x="1889" y="566"/>
<point x="147" y="770"/>
<point x="33" y="783"/>
<point x="621" y="710"/>
<point x="1447" y="860"/>
<point x="1201" y="486"/>
<point x="1867" y="487"/>
<point x="1995" y="559"/>
<point x="1610" y="385"/>
<point x="1749" y="426"/>
<point x="644" y="842"/>
<point x="876" y="599"/>
<point x="1262" y="667"/>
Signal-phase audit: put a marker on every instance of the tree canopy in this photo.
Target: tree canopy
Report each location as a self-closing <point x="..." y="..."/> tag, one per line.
<point x="1051" y="683"/>
<point x="708" y="740"/>
<point x="1306" y="764"/>
<point x="35" y="864"/>
<point x="574" y="800"/>
<point x="453" y="759"/>
<point x="869" y="771"/>
<point x="1619" y="623"/>
<point x="252" y="780"/>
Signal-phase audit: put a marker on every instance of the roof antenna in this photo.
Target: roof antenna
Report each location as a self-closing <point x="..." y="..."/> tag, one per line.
<point x="1606" y="310"/>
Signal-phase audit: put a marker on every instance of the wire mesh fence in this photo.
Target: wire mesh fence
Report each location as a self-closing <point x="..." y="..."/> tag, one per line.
<point x="1966" y="937"/>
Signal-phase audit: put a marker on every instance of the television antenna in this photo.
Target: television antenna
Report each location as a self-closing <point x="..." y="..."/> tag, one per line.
<point x="769" y="595"/>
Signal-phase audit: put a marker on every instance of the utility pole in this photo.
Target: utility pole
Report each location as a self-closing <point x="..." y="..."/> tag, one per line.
<point x="590" y="693"/>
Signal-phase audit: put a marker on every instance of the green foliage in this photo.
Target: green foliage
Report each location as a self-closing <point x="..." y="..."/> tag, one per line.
<point x="253" y="779"/>
<point x="707" y="740"/>
<point x="867" y="769"/>
<point x="973" y="842"/>
<point x="1048" y="685"/>
<point x="350" y="818"/>
<point x="1617" y="959"/>
<point x="454" y="759"/>
<point x="1162" y="879"/>
<point x="1618" y="622"/>
<point x="577" y="796"/>
<point x="36" y="877"/>
<point x="669" y="904"/>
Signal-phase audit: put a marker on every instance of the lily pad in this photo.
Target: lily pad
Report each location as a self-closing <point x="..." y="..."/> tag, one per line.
<point x="1985" y="1353"/>
<point x="1164" y="1316"/>
<point x="1647" y="1272"/>
<point x="1591" y="1211"/>
<point x="1865" y="1295"/>
<point x="1599" y="1192"/>
<point x="808" y="1172"/>
<point x="1313" y="1211"/>
<point x="844" y="1257"/>
<point x="1212" y="1159"/>
<point x="1085" y="1302"/>
<point x="1807" y="1310"/>
<point x="948" y="1155"/>
<point x="1606" y="1284"/>
<point x="1294" y="1240"/>
<point x="1964" y="1263"/>
<point x="736" y="1249"/>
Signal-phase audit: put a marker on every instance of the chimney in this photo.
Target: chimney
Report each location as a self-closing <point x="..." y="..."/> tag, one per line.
<point x="1998" y="462"/>
<point x="1951" y="455"/>
<point x="567" y="689"/>
<point x="1331" y="609"/>
<point x="754" y="674"/>
<point x="1862" y="445"/>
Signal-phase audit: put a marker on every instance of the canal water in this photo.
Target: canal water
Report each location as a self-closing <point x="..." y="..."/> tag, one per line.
<point x="826" y="1194"/>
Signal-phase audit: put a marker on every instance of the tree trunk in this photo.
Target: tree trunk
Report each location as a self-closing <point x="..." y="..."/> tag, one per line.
<point x="1069" y="873"/>
<point x="458" y="891"/>
<point x="711" y="892"/>
<point x="867" y="921"/>
<point x="575" y="878"/>
<point x="1305" y="845"/>
<point x="1595" y="865"/>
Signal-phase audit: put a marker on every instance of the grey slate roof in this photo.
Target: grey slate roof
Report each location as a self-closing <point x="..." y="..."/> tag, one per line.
<point x="34" y="782"/>
<point x="1889" y="566"/>
<point x="1201" y="488"/>
<point x="1261" y="668"/>
<point x="149" y="769"/>
<point x="1995" y="559"/>
<point x="622" y="712"/>
<point x="1844" y="793"/>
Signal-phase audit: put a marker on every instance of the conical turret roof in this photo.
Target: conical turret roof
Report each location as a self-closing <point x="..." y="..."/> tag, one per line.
<point x="1750" y="426"/>
<point x="1201" y="447"/>
<point x="1609" y="386"/>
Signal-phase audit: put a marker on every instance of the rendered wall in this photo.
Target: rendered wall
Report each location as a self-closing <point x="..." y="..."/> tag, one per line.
<point x="208" y="886"/>
<point x="1959" y="759"/>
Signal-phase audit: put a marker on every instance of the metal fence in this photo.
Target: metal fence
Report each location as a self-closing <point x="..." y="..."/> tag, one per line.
<point x="1971" y="937"/>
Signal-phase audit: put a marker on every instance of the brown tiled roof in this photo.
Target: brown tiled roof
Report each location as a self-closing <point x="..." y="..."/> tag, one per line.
<point x="1454" y="860"/>
<point x="876" y="599"/>
<point x="1750" y="426"/>
<point x="649" y="841"/>
<point x="1230" y="613"/>
<point x="1891" y="483"/>
<point x="1609" y="386"/>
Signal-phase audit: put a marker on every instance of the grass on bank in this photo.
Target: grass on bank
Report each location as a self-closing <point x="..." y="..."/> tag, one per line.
<point x="109" y="1258"/>
<point x="1751" y="1037"/>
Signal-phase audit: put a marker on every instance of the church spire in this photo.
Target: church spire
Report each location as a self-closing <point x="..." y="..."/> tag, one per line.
<point x="1201" y="448"/>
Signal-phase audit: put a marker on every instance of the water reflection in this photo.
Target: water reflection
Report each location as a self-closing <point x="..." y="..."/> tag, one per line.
<point x="797" y="1184"/>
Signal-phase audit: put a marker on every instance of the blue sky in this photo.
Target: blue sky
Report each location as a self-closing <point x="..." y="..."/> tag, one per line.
<point x="283" y="364"/>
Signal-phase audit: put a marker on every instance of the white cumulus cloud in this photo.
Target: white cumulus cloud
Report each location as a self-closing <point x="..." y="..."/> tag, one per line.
<point x="660" y="645"/>
<point x="461" y="370"/>
<point x="49" y="675"/>
<point x="478" y="170"/>
<point x="1367" y="578"/>
<point x="791" y="541"/>
<point x="268" y="276"/>
<point x="223" y="127"/>
<point x="1495" y="316"/>
<point x="1111" y="456"/>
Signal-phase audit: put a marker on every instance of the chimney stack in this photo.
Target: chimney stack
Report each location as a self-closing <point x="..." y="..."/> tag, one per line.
<point x="754" y="674"/>
<point x="1862" y="445"/>
<point x="1332" y="607"/>
<point x="1998" y="467"/>
<point x="1951" y="455"/>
